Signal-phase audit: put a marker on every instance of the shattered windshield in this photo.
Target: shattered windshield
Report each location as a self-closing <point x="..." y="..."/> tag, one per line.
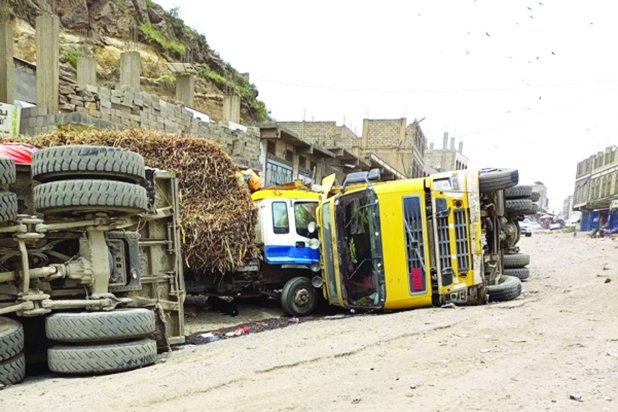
<point x="360" y="246"/>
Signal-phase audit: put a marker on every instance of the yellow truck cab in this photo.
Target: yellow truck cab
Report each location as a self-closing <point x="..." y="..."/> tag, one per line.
<point x="403" y="244"/>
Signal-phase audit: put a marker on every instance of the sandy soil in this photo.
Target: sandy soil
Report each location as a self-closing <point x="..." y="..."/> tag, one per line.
<point x="560" y="339"/>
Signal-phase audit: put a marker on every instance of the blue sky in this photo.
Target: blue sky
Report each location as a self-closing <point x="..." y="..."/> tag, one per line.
<point x="524" y="84"/>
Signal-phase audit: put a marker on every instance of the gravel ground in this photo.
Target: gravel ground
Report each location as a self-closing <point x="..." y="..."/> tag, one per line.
<point x="555" y="348"/>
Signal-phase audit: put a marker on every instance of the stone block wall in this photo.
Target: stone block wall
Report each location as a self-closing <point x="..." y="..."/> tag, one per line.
<point x="123" y="107"/>
<point x="385" y="134"/>
<point x="325" y="134"/>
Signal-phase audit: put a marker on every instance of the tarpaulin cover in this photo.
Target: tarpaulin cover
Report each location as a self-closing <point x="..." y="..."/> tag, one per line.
<point x="21" y="153"/>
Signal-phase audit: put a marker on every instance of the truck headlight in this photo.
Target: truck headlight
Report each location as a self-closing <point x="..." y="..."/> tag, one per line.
<point x="313" y="243"/>
<point x="315" y="267"/>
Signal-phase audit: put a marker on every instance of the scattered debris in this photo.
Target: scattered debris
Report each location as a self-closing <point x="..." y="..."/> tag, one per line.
<point x="575" y="397"/>
<point x="209" y="337"/>
<point x="607" y="280"/>
<point x="356" y="401"/>
<point x="518" y="340"/>
<point x="485" y="350"/>
<point x="450" y="305"/>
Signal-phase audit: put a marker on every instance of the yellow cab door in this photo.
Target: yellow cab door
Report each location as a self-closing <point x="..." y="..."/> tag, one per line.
<point x="328" y="251"/>
<point x="451" y="237"/>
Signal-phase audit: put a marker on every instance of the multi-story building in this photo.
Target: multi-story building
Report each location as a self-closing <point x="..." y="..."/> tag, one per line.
<point x="541" y="189"/>
<point x="596" y="188"/>
<point x="389" y="141"/>
<point x="446" y="159"/>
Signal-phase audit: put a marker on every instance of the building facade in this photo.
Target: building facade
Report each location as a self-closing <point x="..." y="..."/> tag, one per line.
<point x="446" y="159"/>
<point x="541" y="189"/>
<point x="596" y="180"/>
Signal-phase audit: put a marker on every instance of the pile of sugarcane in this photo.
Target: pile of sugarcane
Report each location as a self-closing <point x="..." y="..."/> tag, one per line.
<point x="217" y="213"/>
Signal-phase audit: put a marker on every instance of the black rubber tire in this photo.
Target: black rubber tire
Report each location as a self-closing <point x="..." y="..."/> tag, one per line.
<point x="7" y="171"/>
<point x="100" y="326"/>
<point x="491" y="180"/>
<point x="535" y="196"/>
<point x="8" y="207"/>
<point x="518" y="192"/>
<point x="508" y="288"/>
<point x="13" y="370"/>
<point x="516" y="260"/>
<point x="90" y="196"/>
<point x="299" y="297"/>
<point x="11" y="338"/>
<point x="114" y="163"/>
<point x="97" y="359"/>
<point x="520" y="207"/>
<point x="519" y="273"/>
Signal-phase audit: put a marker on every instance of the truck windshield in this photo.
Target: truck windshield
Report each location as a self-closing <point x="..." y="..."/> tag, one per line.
<point x="360" y="248"/>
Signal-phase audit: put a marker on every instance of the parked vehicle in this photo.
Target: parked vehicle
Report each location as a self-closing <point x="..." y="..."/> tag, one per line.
<point x="525" y="227"/>
<point x="416" y="242"/>
<point x="89" y="260"/>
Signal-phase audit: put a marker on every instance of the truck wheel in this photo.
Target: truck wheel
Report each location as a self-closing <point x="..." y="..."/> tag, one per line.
<point x="491" y="180"/>
<point x="518" y="192"/>
<point x="299" y="297"/>
<point x="8" y="207"/>
<point x="516" y="260"/>
<point x="535" y="196"/>
<point x="7" y="171"/>
<point x="87" y="161"/>
<point x="13" y="370"/>
<point x="519" y="273"/>
<point x="520" y="206"/>
<point x="11" y="338"/>
<point x="95" y="359"/>
<point x="508" y="288"/>
<point x="90" y="196"/>
<point x="100" y="326"/>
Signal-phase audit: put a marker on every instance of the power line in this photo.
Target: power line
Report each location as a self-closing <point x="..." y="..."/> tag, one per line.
<point x="433" y="91"/>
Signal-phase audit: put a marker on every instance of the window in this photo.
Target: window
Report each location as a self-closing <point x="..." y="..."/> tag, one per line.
<point x="302" y="162"/>
<point x="304" y="213"/>
<point x="289" y="155"/>
<point x="277" y="173"/>
<point x="281" y="223"/>
<point x="271" y="148"/>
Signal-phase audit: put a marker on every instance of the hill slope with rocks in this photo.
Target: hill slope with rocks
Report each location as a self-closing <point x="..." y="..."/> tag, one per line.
<point x="106" y="28"/>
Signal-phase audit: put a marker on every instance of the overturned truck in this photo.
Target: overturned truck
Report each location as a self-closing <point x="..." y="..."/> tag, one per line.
<point x="90" y="260"/>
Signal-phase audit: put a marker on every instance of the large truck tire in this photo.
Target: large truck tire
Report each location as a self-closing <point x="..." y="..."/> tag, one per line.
<point x="516" y="260"/>
<point x="508" y="288"/>
<point x="299" y="297"/>
<point x="520" y="207"/>
<point x="106" y="162"/>
<point x="491" y="180"/>
<point x="7" y="171"/>
<point x="519" y="273"/>
<point x="13" y="370"/>
<point x="8" y="207"/>
<point x="11" y="338"/>
<point x="518" y="192"/>
<point x="100" y="326"/>
<point x="90" y="196"/>
<point x="535" y="196"/>
<point x="97" y="359"/>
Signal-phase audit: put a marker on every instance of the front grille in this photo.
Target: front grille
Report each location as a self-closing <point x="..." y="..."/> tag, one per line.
<point x="415" y="245"/>
<point x="461" y="236"/>
<point x="444" y="242"/>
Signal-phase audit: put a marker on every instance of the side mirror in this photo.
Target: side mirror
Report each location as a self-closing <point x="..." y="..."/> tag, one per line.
<point x="312" y="227"/>
<point x="374" y="174"/>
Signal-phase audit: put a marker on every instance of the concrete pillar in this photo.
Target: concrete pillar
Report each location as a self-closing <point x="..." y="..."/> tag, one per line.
<point x="86" y="71"/>
<point x="231" y="108"/>
<point x="130" y="69"/>
<point x="185" y="89"/>
<point x="6" y="61"/>
<point x="452" y="143"/>
<point x="461" y="147"/>
<point x="47" y="62"/>
<point x="445" y="141"/>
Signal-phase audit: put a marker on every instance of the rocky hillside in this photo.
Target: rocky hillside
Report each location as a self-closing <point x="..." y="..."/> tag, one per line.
<point x="109" y="27"/>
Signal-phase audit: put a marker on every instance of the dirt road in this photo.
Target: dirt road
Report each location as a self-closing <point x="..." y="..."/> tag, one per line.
<point x="559" y="340"/>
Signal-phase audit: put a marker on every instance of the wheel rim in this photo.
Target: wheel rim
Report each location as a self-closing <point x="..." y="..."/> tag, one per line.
<point x="302" y="297"/>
